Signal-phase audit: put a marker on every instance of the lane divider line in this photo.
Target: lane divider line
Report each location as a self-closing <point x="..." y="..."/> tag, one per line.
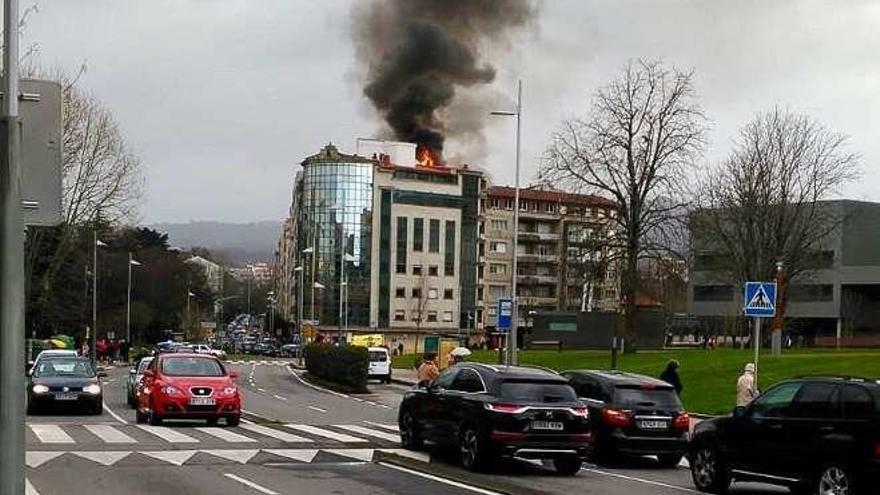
<point x="250" y="484"/>
<point x="115" y="416"/>
<point x="641" y="480"/>
<point x="316" y="408"/>
<point x="438" y="479"/>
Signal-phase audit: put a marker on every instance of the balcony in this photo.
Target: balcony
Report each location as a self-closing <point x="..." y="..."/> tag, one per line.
<point x="538" y="236"/>
<point x="536" y="279"/>
<point x="537" y="258"/>
<point x="532" y="301"/>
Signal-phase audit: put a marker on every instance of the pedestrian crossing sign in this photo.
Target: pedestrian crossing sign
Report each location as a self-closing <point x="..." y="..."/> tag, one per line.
<point x="760" y="299"/>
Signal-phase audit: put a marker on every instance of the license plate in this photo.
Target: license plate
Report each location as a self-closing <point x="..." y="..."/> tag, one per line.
<point x="66" y="396"/>
<point x="201" y="401"/>
<point x="650" y="424"/>
<point x="547" y="425"/>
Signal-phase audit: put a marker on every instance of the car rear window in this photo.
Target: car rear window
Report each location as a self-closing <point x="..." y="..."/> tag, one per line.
<point x="378" y="356"/>
<point x="635" y="398"/>
<point x="192" y="366"/>
<point x="531" y="391"/>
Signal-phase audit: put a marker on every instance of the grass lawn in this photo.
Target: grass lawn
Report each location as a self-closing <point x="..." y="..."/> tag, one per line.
<point x="709" y="377"/>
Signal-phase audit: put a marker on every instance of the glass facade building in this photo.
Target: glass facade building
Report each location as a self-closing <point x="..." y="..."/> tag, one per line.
<point x="335" y="218"/>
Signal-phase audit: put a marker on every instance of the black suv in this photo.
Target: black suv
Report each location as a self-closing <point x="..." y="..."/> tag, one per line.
<point x="814" y="435"/>
<point x="489" y="411"/>
<point x="632" y="415"/>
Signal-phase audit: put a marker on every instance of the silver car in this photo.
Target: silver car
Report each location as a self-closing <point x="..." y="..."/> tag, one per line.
<point x="134" y="377"/>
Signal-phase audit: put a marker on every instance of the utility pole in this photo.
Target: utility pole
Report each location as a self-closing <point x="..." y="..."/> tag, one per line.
<point x="12" y="301"/>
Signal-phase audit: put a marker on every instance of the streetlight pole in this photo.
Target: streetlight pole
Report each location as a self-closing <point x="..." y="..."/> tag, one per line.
<point x="131" y="263"/>
<point x="514" y="317"/>
<point x="12" y="279"/>
<point x="299" y="299"/>
<point x="95" y="245"/>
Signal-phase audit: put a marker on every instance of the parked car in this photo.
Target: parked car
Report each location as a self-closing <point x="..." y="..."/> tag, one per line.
<point x="265" y="349"/>
<point x="813" y="435"/>
<point x="50" y="353"/>
<point x="205" y="349"/>
<point x="188" y="386"/>
<point x="290" y="350"/>
<point x="380" y="364"/>
<point x="489" y="411"/>
<point x="64" y="381"/>
<point x="134" y="378"/>
<point x="632" y="415"/>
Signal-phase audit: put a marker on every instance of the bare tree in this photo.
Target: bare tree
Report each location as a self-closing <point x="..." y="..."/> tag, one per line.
<point x="638" y="145"/>
<point x="421" y="302"/>
<point x="763" y="205"/>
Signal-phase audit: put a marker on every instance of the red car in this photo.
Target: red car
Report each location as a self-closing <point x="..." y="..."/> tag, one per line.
<point x="188" y="386"/>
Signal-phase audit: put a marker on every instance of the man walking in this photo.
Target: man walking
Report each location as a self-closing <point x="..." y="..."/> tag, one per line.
<point x="746" y="387"/>
<point x="428" y="371"/>
<point x="670" y="375"/>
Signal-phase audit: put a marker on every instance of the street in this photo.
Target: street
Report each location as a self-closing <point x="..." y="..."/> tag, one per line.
<point x="295" y="439"/>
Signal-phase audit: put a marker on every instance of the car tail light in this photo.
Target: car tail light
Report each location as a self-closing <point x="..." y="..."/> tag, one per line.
<point x="581" y="412"/>
<point x="877" y="450"/>
<point x="616" y="418"/>
<point x="682" y="422"/>
<point x="505" y="408"/>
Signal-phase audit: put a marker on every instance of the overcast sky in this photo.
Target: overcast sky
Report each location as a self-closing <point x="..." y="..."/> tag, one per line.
<point x="222" y="99"/>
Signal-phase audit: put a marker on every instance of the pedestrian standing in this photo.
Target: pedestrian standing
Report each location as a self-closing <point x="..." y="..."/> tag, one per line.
<point x="746" y="386"/>
<point x="428" y="370"/>
<point x="670" y="375"/>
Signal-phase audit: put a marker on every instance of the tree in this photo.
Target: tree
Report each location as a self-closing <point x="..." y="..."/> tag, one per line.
<point x="638" y="146"/>
<point x="421" y="302"/>
<point x="764" y="204"/>
<point x="589" y="260"/>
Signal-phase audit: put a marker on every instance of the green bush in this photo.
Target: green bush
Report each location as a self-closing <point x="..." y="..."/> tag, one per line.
<point x="345" y="365"/>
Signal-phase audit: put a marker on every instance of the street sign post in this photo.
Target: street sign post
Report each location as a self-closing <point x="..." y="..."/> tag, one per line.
<point x="759" y="302"/>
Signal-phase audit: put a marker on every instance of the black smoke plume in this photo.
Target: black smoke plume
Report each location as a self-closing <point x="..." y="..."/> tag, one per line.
<point x="418" y="52"/>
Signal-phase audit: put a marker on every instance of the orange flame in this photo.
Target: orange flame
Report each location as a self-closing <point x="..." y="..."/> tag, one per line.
<point x="426" y="157"/>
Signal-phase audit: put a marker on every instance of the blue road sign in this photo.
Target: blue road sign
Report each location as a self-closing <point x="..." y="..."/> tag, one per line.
<point x="505" y="311"/>
<point x="760" y="299"/>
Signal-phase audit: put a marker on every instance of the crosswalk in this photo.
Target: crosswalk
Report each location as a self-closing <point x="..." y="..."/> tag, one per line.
<point x="45" y="436"/>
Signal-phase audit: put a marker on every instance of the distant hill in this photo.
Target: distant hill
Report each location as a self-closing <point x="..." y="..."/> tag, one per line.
<point x="238" y="243"/>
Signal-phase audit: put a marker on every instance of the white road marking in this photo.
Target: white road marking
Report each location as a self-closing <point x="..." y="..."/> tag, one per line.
<point x="302" y="455"/>
<point x="106" y="458"/>
<point x="115" y="416"/>
<point x="386" y="426"/>
<point x="246" y="421"/>
<point x="37" y="458"/>
<point x="314" y="430"/>
<point x="370" y="433"/>
<point x="438" y="479"/>
<point x="29" y="488"/>
<point x="261" y="389"/>
<point x="316" y="408"/>
<point x="176" y="457"/>
<point x="250" y="484"/>
<point x="271" y="432"/>
<point x="109" y="434"/>
<point x="640" y="480"/>
<point x="410" y="454"/>
<point x="365" y="455"/>
<point x="225" y="434"/>
<point x="51" y="434"/>
<point x="250" y="413"/>
<point x="239" y="456"/>
<point x="279" y="397"/>
<point x="168" y="434"/>
<point x="320" y="389"/>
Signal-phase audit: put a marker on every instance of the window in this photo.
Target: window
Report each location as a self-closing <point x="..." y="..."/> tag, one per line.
<point x="810" y="293"/>
<point x="498" y="247"/>
<point x="713" y="293"/>
<point x="432" y="293"/>
<point x="480" y="271"/>
<point x="449" y="249"/>
<point x="815" y="401"/>
<point x="418" y="234"/>
<point x="432" y="316"/>
<point x="479" y="294"/>
<point x="400" y="292"/>
<point x="416" y="292"/>
<point x="857" y="402"/>
<point x="498" y="224"/>
<point x="508" y="204"/>
<point x="497" y="291"/>
<point x="448" y="294"/>
<point x="445" y="379"/>
<point x="417" y="270"/>
<point x="434" y="236"/>
<point x="433" y="270"/>
<point x="399" y="315"/>
<point x="776" y="402"/>
<point x="447" y="316"/>
<point x="551" y="207"/>
<point x="492" y="310"/>
<point x="468" y="381"/>
<point x="494" y="203"/>
<point x="401" y="244"/>
<point x="536" y="392"/>
<point x="587" y="388"/>
<point x="498" y="269"/>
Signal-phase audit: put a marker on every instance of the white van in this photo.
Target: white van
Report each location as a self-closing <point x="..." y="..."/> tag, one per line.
<point x="380" y="364"/>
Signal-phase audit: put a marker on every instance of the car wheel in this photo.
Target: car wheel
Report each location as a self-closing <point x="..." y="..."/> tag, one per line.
<point x="708" y="472"/>
<point x="669" y="460"/>
<point x="233" y="420"/>
<point x="567" y="466"/>
<point x="98" y="409"/>
<point x="473" y="449"/>
<point x="139" y="417"/>
<point x="835" y="480"/>
<point x="410" y="436"/>
<point x="153" y="416"/>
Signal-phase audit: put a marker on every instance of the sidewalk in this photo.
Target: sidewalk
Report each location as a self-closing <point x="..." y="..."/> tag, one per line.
<point x="404" y="376"/>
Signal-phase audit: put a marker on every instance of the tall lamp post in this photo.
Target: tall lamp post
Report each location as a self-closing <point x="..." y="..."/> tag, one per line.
<point x="131" y="263"/>
<point x="514" y="317"/>
<point x="271" y="300"/>
<point x="310" y="251"/>
<point x="189" y="295"/>
<point x="96" y="243"/>
<point x="299" y="299"/>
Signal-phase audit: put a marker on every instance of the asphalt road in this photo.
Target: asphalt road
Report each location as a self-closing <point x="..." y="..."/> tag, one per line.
<point x="297" y="439"/>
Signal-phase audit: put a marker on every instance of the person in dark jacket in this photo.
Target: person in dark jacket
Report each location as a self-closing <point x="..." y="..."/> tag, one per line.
<point x="670" y="376"/>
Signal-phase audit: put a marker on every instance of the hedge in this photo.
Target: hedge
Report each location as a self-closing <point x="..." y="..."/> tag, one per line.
<point x="345" y="365"/>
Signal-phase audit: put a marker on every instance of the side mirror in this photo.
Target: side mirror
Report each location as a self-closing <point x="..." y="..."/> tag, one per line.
<point x="740" y="412"/>
<point x="102" y="374"/>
